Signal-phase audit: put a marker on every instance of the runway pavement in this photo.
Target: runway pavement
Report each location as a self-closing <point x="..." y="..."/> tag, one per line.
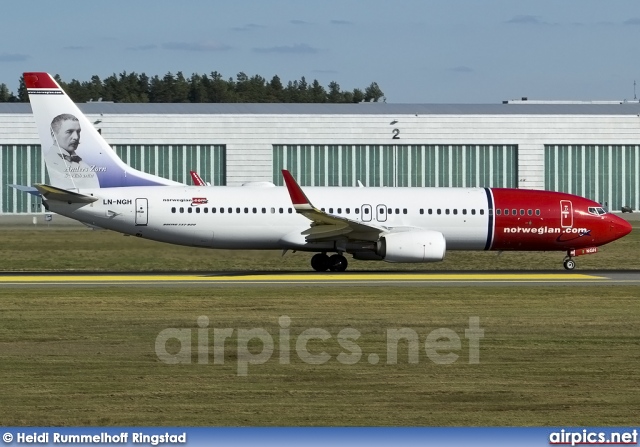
<point x="360" y="279"/>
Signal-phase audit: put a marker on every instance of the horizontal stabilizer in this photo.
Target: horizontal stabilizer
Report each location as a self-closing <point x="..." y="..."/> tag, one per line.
<point x="52" y="193"/>
<point x="29" y="189"/>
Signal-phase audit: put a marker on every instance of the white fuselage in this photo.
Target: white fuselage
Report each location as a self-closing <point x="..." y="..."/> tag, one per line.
<point x="262" y="217"/>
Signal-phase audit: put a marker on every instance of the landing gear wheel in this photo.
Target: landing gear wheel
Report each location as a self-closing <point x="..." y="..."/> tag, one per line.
<point x="320" y="262"/>
<point x="569" y="264"/>
<point x="338" y="263"/>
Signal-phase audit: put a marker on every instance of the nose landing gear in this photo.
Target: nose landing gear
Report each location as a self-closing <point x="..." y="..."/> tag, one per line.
<point x="569" y="264"/>
<point x="320" y="262"/>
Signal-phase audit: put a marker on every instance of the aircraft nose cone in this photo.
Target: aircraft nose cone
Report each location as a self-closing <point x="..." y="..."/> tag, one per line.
<point x="620" y="226"/>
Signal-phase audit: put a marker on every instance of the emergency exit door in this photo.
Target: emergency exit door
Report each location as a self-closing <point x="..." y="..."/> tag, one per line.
<point x="566" y="214"/>
<point x="142" y="217"/>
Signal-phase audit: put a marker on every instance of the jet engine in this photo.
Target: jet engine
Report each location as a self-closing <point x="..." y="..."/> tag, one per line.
<point x="412" y="246"/>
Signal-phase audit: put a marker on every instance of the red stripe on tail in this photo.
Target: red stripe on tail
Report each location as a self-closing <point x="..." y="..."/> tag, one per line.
<point x="39" y="80"/>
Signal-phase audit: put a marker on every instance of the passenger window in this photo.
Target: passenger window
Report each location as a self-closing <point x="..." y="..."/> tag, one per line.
<point x="264" y="211"/>
<point x="397" y="210"/>
<point x="230" y="210"/>
<point x="238" y="210"/>
<point x="498" y="212"/>
<point x="348" y="210"/>
<point x="330" y="210"/>
<point x="529" y="212"/>
<point x="339" y="210"/>
<point x="446" y="211"/>
<point x="404" y="211"/>
<point x="455" y="211"/>
<point x="273" y="210"/>
<point x="281" y="210"/>
<point x="322" y="209"/>
<point x="246" y="210"/>
<point x="181" y="209"/>
<point x="189" y="210"/>
<point x="522" y="212"/>
<point x="221" y="210"/>
<point x="506" y="212"/>
<point x="464" y="211"/>
<point x="357" y="210"/>
<point x="366" y="210"/>
<point x="206" y="210"/>
<point x="537" y="212"/>
<point x="482" y="212"/>
<point x="255" y="210"/>
<point x="473" y="211"/>
<point x="430" y="211"/>
<point x="197" y="210"/>
<point x="290" y="210"/>
<point x="439" y="211"/>
<point x="382" y="210"/>
<point x="421" y="211"/>
<point x="173" y="209"/>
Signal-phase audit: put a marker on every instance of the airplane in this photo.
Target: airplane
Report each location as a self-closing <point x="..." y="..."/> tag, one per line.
<point x="91" y="184"/>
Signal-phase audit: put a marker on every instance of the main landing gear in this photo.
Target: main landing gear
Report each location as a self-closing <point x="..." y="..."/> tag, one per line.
<point x="336" y="263"/>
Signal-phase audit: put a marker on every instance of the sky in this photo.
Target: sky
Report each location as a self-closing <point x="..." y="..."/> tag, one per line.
<point x="418" y="51"/>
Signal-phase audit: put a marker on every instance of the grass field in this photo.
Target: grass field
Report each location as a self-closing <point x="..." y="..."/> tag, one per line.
<point x="78" y="248"/>
<point x="565" y="355"/>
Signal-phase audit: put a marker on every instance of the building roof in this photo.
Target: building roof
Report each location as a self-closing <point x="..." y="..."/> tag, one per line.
<point x="621" y="108"/>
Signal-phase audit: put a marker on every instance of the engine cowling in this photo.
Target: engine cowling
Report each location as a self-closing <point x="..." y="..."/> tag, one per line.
<point x="412" y="246"/>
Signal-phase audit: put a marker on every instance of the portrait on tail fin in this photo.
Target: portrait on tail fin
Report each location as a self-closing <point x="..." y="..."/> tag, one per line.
<point x="76" y="155"/>
<point x="65" y="165"/>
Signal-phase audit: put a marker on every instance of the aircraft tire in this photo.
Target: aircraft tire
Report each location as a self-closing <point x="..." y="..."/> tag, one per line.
<point x="320" y="262"/>
<point x="338" y="263"/>
<point x="569" y="264"/>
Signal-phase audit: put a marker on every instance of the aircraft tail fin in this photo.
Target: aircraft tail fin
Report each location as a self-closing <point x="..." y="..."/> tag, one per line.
<point x="72" y="161"/>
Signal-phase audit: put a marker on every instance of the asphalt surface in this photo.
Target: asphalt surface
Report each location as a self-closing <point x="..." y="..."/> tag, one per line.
<point x="293" y="279"/>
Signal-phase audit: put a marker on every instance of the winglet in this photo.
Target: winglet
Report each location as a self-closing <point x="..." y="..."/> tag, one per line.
<point x="298" y="197"/>
<point x="197" y="180"/>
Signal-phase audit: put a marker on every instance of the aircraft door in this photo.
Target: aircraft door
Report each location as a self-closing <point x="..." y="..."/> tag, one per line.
<point x="381" y="213"/>
<point x="142" y="208"/>
<point x="566" y="214"/>
<point x="366" y="213"/>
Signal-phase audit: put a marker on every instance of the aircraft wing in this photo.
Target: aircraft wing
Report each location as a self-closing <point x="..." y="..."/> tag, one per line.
<point x="52" y="193"/>
<point x="326" y="226"/>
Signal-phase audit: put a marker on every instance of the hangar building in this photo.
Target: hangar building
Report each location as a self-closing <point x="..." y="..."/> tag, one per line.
<point x="590" y="149"/>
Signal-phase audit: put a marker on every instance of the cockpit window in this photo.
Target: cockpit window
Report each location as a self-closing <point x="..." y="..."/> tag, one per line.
<point x="596" y="210"/>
